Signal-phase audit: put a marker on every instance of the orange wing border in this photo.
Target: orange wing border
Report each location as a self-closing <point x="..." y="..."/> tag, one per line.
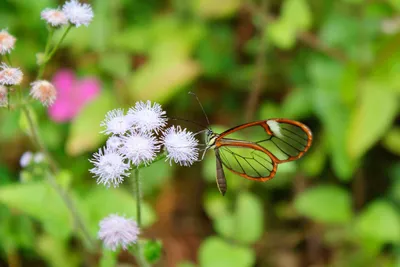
<point x="220" y="141"/>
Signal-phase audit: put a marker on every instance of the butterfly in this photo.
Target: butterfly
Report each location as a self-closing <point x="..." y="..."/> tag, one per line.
<point x="268" y="143"/>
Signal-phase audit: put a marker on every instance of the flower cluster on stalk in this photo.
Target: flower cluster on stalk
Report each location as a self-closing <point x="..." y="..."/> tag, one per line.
<point x="136" y="138"/>
<point x="72" y="13"/>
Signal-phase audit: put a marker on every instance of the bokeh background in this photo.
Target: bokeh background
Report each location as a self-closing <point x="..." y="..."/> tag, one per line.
<point x="331" y="64"/>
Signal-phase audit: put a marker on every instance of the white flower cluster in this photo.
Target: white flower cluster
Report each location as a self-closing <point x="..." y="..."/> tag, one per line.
<point x="72" y="12"/>
<point x="28" y="158"/>
<point x="134" y="141"/>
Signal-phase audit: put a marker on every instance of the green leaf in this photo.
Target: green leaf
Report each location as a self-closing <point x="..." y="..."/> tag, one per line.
<point x="329" y="105"/>
<point x="249" y="211"/>
<point x="40" y="201"/>
<point x="215" y="9"/>
<point x="215" y="252"/>
<point x="56" y="252"/>
<point x="113" y="201"/>
<point x="326" y="204"/>
<point x="235" y="225"/>
<point x="152" y="250"/>
<point x="391" y="141"/>
<point x="85" y="129"/>
<point x="108" y="61"/>
<point x="159" y="80"/>
<point x="297" y="14"/>
<point x="371" y="119"/>
<point x="380" y="222"/>
<point x="282" y="34"/>
<point x="108" y="258"/>
<point x="295" y="17"/>
<point x="395" y="4"/>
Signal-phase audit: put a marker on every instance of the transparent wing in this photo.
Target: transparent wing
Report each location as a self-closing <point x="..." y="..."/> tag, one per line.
<point x="286" y="140"/>
<point x="248" y="162"/>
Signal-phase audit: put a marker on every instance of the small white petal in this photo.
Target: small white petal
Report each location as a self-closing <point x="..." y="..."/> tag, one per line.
<point x="26" y="159"/>
<point x="77" y="13"/>
<point x="110" y="167"/>
<point x="146" y="117"/>
<point x="139" y="147"/>
<point x="54" y="17"/>
<point x="181" y="146"/>
<point x="115" y="122"/>
<point x="10" y="76"/>
<point x="118" y="231"/>
<point x="7" y="42"/>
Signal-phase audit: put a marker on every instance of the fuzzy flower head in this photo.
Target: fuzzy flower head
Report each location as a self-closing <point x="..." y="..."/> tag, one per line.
<point x="114" y="142"/>
<point x="146" y="117"/>
<point x="44" y="91"/>
<point x="115" y="122"/>
<point x="26" y="159"/>
<point x="7" y="42"/>
<point x="10" y="76"/>
<point x="3" y="96"/>
<point x="116" y="231"/>
<point x="77" y="13"/>
<point x="139" y="147"/>
<point x="54" y="17"/>
<point x="181" y="146"/>
<point x="110" y="167"/>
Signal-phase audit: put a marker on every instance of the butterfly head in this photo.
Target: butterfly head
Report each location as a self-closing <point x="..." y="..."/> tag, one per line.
<point x="211" y="138"/>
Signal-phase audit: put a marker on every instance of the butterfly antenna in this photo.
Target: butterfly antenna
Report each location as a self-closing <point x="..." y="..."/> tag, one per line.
<point x="208" y="122"/>
<point x="193" y="122"/>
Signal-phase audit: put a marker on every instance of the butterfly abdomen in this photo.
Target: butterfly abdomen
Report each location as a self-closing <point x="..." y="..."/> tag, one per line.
<point x="221" y="181"/>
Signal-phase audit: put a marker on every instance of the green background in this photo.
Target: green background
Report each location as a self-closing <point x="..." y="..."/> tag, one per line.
<point x="331" y="64"/>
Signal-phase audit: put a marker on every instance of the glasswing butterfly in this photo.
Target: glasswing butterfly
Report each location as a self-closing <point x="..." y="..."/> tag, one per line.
<point x="256" y="156"/>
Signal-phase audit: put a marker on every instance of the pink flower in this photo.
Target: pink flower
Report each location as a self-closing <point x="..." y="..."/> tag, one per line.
<point x="72" y="95"/>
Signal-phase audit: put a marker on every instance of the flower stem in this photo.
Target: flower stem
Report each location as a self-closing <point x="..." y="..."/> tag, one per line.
<point x="45" y="57"/>
<point x="138" y="194"/>
<point x="53" y="171"/>
<point x="49" y="56"/>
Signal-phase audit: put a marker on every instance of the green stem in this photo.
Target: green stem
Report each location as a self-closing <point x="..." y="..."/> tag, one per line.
<point x="53" y="170"/>
<point x="46" y="51"/>
<point x="158" y="158"/>
<point x="72" y="208"/>
<point x="138" y="194"/>
<point x="50" y="55"/>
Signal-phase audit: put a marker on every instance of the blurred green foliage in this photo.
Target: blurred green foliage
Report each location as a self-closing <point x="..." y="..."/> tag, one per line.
<point x="331" y="64"/>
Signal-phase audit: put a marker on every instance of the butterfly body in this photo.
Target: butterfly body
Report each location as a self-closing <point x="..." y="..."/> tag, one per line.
<point x="277" y="141"/>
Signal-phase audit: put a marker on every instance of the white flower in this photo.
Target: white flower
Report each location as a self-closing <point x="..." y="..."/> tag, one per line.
<point x="114" y="142"/>
<point x="110" y="167"/>
<point x="54" y="17"/>
<point x="3" y="96"/>
<point x="118" y="231"/>
<point x="38" y="157"/>
<point x="10" y="76"/>
<point x="26" y="159"/>
<point x="146" y="117"/>
<point x="43" y="91"/>
<point x="7" y="42"/>
<point x="77" y="13"/>
<point x="181" y="146"/>
<point x="115" y="122"/>
<point x="139" y="147"/>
